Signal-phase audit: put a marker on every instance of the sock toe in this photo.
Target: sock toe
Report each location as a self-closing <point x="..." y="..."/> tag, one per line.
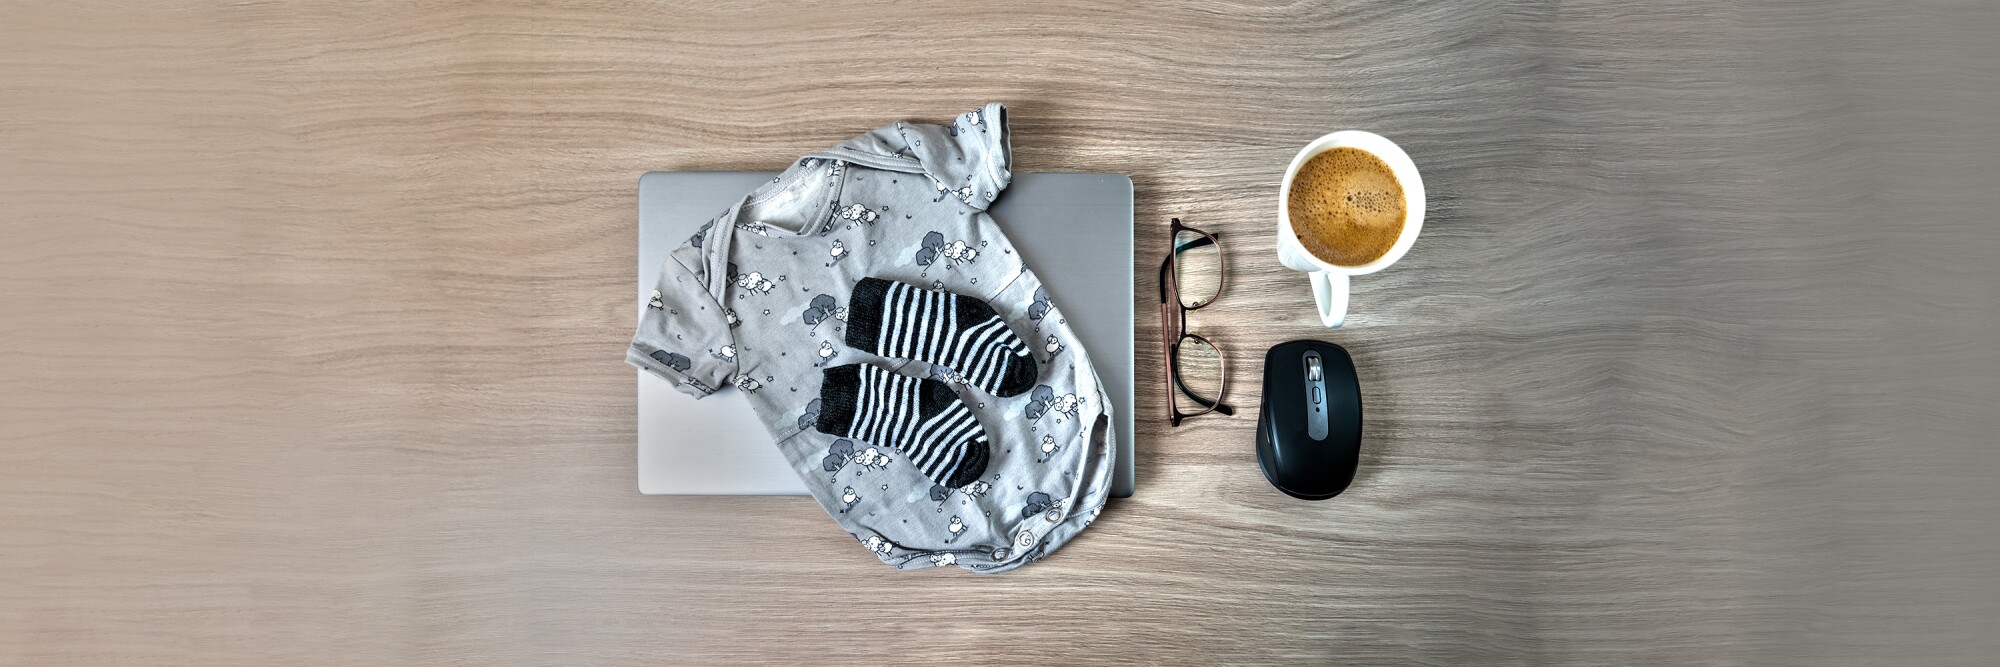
<point x="839" y="393"/>
<point x="976" y="454"/>
<point x="865" y="309"/>
<point x="1019" y="377"/>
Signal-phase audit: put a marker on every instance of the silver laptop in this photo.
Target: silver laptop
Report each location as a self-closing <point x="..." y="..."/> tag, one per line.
<point x="1064" y="225"/>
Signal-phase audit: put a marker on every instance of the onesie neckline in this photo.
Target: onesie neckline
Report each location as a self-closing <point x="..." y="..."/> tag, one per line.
<point x="785" y="182"/>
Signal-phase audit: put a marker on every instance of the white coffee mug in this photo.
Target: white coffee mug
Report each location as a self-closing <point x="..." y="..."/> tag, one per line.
<point x="1329" y="281"/>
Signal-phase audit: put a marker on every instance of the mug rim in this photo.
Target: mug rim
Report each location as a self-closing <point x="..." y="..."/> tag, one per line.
<point x="1400" y="166"/>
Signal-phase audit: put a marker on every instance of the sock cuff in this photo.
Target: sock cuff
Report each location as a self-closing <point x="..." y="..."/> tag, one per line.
<point x="839" y="391"/>
<point x="864" y="313"/>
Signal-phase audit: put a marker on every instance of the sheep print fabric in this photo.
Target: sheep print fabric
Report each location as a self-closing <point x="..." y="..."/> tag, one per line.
<point x="759" y="300"/>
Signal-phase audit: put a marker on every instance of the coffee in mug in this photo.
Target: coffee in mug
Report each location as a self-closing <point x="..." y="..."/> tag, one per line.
<point x="1351" y="203"/>
<point x="1346" y="206"/>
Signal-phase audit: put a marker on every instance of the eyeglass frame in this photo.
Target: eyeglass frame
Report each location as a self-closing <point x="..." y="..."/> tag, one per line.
<point x="1173" y="325"/>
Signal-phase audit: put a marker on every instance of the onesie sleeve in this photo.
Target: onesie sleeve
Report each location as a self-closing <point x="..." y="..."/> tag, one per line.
<point x="684" y="333"/>
<point x="971" y="158"/>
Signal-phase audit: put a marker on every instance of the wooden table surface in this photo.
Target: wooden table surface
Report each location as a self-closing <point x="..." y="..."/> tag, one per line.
<point x="312" y="317"/>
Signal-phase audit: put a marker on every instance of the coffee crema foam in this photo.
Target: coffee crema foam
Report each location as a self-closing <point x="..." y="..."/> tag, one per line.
<point x="1346" y="206"/>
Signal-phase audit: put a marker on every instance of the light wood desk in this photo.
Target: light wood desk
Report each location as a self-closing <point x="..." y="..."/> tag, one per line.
<point x="311" y="319"/>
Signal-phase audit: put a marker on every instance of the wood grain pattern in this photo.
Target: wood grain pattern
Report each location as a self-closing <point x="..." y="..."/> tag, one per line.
<point x="313" y="315"/>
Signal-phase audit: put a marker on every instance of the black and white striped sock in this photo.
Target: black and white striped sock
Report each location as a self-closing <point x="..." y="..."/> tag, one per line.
<point x="964" y="334"/>
<point x="922" y="419"/>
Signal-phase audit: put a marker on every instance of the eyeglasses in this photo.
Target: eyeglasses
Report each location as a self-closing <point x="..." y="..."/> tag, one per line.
<point x="1191" y="277"/>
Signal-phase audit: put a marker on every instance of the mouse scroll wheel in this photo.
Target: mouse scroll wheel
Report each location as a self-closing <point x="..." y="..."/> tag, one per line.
<point x="1312" y="369"/>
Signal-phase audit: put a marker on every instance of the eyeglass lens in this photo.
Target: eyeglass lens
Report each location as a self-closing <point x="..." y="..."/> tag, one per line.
<point x="1198" y="371"/>
<point x="1198" y="268"/>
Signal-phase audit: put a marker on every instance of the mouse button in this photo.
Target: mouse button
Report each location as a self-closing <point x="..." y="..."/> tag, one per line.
<point x="1316" y="396"/>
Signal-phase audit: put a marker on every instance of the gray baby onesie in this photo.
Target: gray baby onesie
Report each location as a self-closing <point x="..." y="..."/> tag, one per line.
<point x="759" y="299"/>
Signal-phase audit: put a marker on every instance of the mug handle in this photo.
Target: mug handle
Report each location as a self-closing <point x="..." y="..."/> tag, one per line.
<point x="1330" y="295"/>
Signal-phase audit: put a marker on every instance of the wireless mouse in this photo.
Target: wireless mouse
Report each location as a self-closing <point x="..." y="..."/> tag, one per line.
<point x="1309" y="420"/>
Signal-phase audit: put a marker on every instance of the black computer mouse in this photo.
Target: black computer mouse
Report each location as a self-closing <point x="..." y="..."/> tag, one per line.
<point x="1309" y="422"/>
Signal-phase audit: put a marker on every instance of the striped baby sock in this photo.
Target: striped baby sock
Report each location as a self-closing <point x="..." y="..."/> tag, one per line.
<point x="964" y="334"/>
<point x="921" y="418"/>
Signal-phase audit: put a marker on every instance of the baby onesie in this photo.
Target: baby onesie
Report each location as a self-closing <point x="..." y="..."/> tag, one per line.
<point x="844" y="295"/>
